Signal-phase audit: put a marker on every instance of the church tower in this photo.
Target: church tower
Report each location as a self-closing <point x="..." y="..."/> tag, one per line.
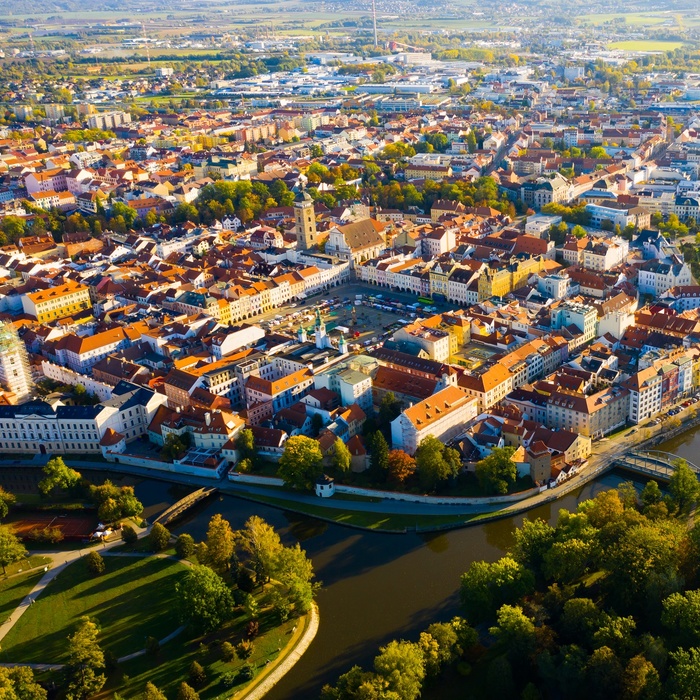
<point x="305" y="219"/>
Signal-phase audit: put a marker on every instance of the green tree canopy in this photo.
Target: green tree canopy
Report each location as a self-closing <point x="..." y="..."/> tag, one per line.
<point x="301" y="462"/>
<point x="204" y="600"/>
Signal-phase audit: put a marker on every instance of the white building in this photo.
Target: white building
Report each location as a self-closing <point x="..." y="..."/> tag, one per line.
<point x="443" y="415"/>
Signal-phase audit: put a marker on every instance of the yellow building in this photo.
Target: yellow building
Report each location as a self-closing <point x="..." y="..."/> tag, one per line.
<point x="501" y="281"/>
<point x="57" y="302"/>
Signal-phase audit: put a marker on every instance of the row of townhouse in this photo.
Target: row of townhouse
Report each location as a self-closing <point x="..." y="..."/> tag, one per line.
<point x="37" y="427"/>
<point x="661" y="384"/>
<point x="456" y="283"/>
<point x="251" y="298"/>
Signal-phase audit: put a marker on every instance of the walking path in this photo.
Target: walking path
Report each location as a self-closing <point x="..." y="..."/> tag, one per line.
<point x="59" y="561"/>
<point x="298" y="643"/>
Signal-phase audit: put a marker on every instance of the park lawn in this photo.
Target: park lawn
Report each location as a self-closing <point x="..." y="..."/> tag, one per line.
<point x="30" y="562"/>
<point x="171" y="667"/>
<point x="646" y="45"/>
<point x="132" y="600"/>
<point x="13" y="590"/>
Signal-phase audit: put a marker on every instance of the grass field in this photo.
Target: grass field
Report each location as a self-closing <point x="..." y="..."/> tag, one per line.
<point x="171" y="667"/>
<point x="646" y="45"/>
<point x="13" y="590"/>
<point x="132" y="600"/>
<point x="637" y="19"/>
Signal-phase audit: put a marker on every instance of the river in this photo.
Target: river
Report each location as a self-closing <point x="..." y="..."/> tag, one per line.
<point x="376" y="587"/>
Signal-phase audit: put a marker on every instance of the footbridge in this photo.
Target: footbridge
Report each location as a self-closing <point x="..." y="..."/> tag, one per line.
<point x="654" y="463"/>
<point x="177" y="509"/>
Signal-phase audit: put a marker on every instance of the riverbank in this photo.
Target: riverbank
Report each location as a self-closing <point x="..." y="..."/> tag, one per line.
<point x="400" y="517"/>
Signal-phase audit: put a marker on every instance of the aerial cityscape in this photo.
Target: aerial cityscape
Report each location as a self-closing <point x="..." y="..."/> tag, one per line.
<point x="349" y="350"/>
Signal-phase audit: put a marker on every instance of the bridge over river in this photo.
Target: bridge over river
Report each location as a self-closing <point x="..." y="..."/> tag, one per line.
<point x="654" y="463"/>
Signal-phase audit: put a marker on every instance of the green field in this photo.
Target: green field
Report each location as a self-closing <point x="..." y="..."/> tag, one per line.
<point x="646" y="45"/>
<point x="636" y="19"/>
<point x="13" y="590"/>
<point x="132" y="600"/>
<point x="171" y="667"/>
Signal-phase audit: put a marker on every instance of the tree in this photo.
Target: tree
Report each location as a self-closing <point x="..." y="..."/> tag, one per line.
<point x="448" y="642"/>
<point x="684" y="675"/>
<point x="514" y="632"/>
<point x="341" y="458"/>
<point x="11" y="549"/>
<point x="244" y="649"/>
<point x="86" y="662"/>
<point x="184" y="546"/>
<point x="158" y="538"/>
<point x="640" y="680"/>
<point x="245" y="444"/>
<point x="95" y="563"/>
<point x="174" y="446"/>
<point x="431" y="466"/>
<point x="379" y="456"/>
<point x="228" y="652"/>
<point x="566" y="561"/>
<point x="13" y="227"/>
<point x="263" y="544"/>
<point x="497" y="472"/>
<point x="681" y="615"/>
<point x="401" y="466"/>
<point x="58" y="476"/>
<point x="197" y="675"/>
<point x="151" y="692"/>
<point x="6" y="500"/>
<point x="485" y="586"/>
<point x="114" y="502"/>
<point x="683" y="486"/>
<point x="316" y="424"/>
<point x="220" y="544"/>
<point x="18" y="683"/>
<point x="402" y="667"/>
<point x="533" y="539"/>
<point x="604" y="674"/>
<point x="129" y="535"/>
<point x="204" y="599"/>
<point x="389" y="408"/>
<point x="186" y="692"/>
<point x="301" y="462"/>
<point x="651" y="494"/>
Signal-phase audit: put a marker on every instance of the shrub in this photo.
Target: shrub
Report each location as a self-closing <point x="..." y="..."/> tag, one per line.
<point x="252" y="629"/>
<point x="49" y="535"/>
<point x="197" y="674"/>
<point x="229" y="679"/>
<point x="95" y="563"/>
<point x="244" y="649"/>
<point x="246" y="673"/>
<point x="158" y="538"/>
<point x="228" y="653"/>
<point x="184" y="546"/>
<point x="129" y="535"/>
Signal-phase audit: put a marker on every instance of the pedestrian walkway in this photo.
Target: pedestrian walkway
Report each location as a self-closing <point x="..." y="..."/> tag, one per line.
<point x="59" y="561"/>
<point x="298" y="643"/>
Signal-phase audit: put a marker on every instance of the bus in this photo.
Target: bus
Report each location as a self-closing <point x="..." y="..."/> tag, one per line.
<point x="425" y="300"/>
